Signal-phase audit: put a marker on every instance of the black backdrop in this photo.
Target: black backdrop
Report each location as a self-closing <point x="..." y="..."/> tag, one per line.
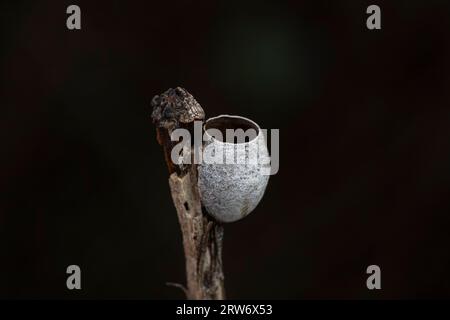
<point x="364" y="157"/>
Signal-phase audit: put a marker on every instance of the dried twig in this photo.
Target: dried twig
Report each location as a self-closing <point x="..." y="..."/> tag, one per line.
<point x="202" y="236"/>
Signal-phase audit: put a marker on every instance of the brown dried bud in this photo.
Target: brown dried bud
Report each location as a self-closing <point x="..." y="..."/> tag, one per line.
<point x="175" y="106"/>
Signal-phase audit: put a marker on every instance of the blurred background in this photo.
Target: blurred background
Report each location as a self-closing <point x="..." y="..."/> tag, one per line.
<point x="365" y="145"/>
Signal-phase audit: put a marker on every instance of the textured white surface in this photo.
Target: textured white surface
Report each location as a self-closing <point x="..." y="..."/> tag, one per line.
<point x="230" y="192"/>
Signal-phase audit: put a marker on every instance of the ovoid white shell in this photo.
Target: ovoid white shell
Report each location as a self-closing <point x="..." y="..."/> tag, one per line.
<point x="230" y="192"/>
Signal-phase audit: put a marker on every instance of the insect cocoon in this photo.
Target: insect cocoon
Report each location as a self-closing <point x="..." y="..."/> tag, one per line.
<point x="232" y="177"/>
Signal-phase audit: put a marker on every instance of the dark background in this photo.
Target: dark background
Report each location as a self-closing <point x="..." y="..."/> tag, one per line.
<point x="365" y="145"/>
